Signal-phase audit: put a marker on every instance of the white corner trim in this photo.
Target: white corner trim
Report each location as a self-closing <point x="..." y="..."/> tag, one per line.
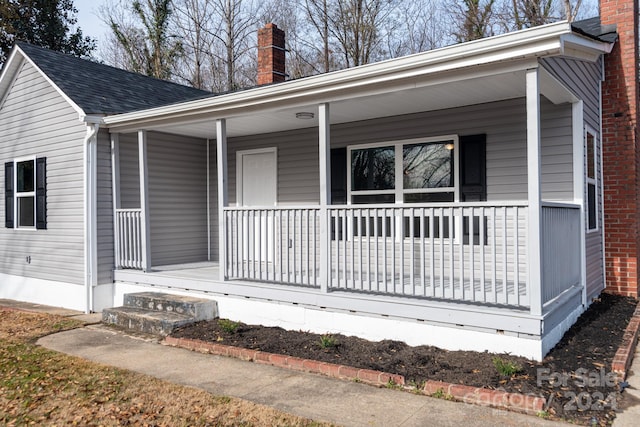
<point x="10" y="73"/>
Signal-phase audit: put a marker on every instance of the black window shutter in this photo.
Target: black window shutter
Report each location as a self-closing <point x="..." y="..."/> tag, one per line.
<point x="339" y="176"/>
<point x="41" y="193"/>
<point x="473" y="180"/>
<point x="8" y="195"/>
<point x="473" y="168"/>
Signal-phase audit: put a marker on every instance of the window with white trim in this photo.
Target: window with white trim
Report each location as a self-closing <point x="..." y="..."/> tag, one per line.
<point x="592" y="189"/>
<point x="25" y="193"/>
<point x="426" y="166"/>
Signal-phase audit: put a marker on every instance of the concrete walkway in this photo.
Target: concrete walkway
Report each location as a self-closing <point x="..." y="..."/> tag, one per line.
<point x="307" y="395"/>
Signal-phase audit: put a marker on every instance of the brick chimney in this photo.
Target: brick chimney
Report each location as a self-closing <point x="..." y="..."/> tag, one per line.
<point x="621" y="150"/>
<point x="271" y="55"/>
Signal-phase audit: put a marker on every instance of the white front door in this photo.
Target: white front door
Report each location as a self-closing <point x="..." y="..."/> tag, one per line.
<point x="257" y="186"/>
<point x="258" y="177"/>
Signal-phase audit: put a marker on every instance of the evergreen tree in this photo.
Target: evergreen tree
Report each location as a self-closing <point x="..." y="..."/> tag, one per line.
<point x="46" y="23"/>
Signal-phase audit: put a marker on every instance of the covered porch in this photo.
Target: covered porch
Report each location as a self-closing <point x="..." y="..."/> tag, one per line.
<point x="520" y="253"/>
<point x="498" y="248"/>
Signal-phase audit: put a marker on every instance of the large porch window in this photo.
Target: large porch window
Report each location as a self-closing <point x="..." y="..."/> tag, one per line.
<point x="425" y="165"/>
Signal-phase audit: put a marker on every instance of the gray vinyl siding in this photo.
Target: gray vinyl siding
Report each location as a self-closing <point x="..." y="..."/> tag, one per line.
<point x="504" y="123"/>
<point x="105" y="210"/>
<point x="298" y="181"/>
<point x="584" y="79"/>
<point x="129" y="178"/>
<point x="177" y="172"/>
<point x="557" y="151"/>
<point x="35" y="120"/>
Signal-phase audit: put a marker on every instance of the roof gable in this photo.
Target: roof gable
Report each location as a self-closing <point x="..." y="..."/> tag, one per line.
<point x="101" y="89"/>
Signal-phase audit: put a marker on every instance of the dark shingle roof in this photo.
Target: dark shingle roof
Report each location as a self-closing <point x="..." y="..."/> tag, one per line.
<point x="593" y="28"/>
<point x="102" y="89"/>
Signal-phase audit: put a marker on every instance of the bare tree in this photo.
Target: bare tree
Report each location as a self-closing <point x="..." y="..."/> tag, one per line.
<point x="357" y="26"/>
<point x="318" y="14"/>
<point x="192" y="18"/>
<point x="235" y="24"/>
<point x="146" y="43"/>
<point x="211" y="44"/>
<point x="531" y="13"/>
<point x="419" y="27"/>
<point x="571" y="10"/>
<point x="475" y="19"/>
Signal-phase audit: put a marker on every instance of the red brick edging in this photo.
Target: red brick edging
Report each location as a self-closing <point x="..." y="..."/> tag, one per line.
<point x="467" y="394"/>
<point x="332" y="370"/>
<point x="624" y="356"/>
<point x="486" y="397"/>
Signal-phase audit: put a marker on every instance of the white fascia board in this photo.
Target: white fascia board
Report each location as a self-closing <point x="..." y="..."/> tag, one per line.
<point x="580" y="47"/>
<point x="9" y="73"/>
<point x="530" y="43"/>
<point x="73" y="105"/>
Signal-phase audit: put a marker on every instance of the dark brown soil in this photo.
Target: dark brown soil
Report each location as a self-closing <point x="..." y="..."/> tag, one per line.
<point x="575" y="377"/>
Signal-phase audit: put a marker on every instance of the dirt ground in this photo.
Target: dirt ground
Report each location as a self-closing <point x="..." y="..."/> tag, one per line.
<point x="575" y="376"/>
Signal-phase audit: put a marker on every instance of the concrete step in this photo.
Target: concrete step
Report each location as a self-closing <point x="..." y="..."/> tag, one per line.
<point x="197" y="308"/>
<point x="142" y="320"/>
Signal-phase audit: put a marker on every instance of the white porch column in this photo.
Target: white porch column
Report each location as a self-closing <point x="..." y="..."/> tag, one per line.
<point x="115" y="191"/>
<point x="223" y="193"/>
<point x="534" y="243"/>
<point x="579" y="187"/>
<point x="324" y="140"/>
<point x="144" y="200"/>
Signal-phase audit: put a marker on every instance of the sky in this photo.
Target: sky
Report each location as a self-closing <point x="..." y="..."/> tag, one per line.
<point x="88" y="20"/>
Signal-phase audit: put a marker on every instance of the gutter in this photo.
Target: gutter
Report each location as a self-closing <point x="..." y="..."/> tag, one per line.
<point x="90" y="210"/>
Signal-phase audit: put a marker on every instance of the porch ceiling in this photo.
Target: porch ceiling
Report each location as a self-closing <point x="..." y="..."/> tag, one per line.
<point x="412" y="99"/>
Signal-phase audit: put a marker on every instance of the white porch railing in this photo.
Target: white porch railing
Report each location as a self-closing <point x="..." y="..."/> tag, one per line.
<point x="273" y="244"/>
<point x="128" y="238"/>
<point x="472" y="252"/>
<point x="560" y="248"/>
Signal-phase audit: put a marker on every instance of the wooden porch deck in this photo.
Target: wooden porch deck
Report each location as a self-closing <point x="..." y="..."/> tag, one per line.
<point x="205" y="277"/>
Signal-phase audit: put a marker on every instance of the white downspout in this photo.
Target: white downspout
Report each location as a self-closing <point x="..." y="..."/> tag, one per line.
<point x="90" y="213"/>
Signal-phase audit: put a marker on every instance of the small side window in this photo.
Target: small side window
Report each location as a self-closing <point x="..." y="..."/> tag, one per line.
<point x="592" y="191"/>
<point x="25" y="193"/>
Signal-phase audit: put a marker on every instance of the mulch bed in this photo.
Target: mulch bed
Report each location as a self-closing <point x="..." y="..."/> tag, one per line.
<point x="575" y="377"/>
